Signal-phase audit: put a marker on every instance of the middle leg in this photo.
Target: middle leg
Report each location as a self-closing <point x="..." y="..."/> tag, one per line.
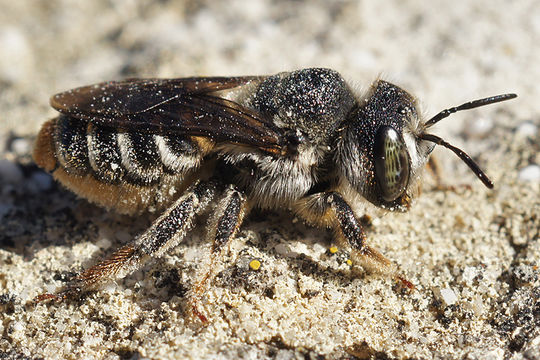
<point x="224" y="224"/>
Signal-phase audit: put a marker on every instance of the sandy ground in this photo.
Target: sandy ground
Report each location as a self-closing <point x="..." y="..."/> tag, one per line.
<point x="472" y="253"/>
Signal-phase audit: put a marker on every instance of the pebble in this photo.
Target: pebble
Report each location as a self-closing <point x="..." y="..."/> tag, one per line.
<point x="469" y="273"/>
<point x="529" y="173"/>
<point x="527" y="129"/>
<point x="477" y="306"/>
<point x="448" y="296"/>
<point x="479" y="127"/>
<point x="104" y="243"/>
<point x="284" y="250"/>
<point x="21" y="147"/>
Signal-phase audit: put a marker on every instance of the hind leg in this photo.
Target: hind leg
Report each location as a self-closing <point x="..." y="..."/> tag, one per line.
<point x="166" y="232"/>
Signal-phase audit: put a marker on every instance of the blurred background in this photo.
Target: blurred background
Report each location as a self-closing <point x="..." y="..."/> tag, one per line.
<point x="443" y="52"/>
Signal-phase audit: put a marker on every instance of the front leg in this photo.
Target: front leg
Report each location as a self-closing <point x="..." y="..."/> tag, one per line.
<point x="165" y="233"/>
<point x="329" y="209"/>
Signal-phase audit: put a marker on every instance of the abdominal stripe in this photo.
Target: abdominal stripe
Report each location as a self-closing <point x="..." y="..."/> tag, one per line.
<point x="112" y="156"/>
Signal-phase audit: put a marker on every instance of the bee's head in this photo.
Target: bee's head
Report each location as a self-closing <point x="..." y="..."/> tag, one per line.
<point x="385" y="145"/>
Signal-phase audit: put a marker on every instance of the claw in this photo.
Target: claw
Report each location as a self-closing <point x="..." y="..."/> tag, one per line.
<point x="199" y="314"/>
<point x="69" y="292"/>
<point x="47" y="297"/>
<point x="409" y="285"/>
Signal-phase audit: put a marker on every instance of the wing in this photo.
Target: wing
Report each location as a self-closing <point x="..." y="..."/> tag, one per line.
<point x="179" y="106"/>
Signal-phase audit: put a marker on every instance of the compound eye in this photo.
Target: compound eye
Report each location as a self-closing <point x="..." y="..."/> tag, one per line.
<point x="391" y="163"/>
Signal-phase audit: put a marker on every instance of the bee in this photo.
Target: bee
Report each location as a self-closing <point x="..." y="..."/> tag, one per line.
<point x="301" y="140"/>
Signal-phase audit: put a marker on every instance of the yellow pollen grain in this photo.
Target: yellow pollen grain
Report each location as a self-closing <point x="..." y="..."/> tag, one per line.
<point x="349" y="262"/>
<point x="333" y="250"/>
<point x="255" y="264"/>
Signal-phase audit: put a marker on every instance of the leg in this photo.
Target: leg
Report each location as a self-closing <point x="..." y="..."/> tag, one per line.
<point x="435" y="169"/>
<point x="223" y="226"/>
<point x="331" y="210"/>
<point x="165" y="232"/>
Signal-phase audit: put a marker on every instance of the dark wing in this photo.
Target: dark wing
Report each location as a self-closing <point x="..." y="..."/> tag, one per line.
<point x="187" y="106"/>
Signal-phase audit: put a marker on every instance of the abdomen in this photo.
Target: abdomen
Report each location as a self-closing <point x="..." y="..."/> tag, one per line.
<point x="123" y="170"/>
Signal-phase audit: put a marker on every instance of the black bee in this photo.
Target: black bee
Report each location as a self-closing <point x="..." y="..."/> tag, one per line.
<point x="301" y="140"/>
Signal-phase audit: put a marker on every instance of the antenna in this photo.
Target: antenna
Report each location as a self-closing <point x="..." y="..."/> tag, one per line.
<point x="462" y="155"/>
<point x="469" y="105"/>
